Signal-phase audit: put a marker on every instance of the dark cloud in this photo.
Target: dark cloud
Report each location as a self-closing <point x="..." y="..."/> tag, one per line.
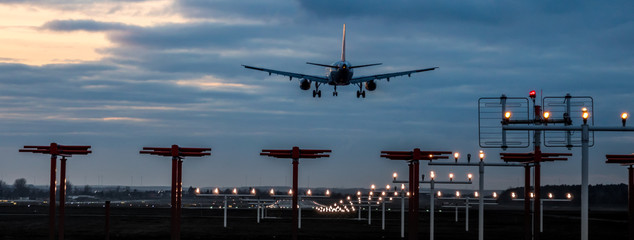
<point x="193" y="35"/>
<point x="3" y="59"/>
<point x="83" y="25"/>
<point x="239" y="11"/>
<point x="487" y="12"/>
<point x="93" y="84"/>
<point x="15" y="73"/>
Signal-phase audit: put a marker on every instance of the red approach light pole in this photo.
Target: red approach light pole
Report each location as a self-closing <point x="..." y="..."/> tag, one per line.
<point x="64" y="151"/>
<point x="295" y="154"/>
<point x="177" y="153"/>
<point x="627" y="160"/>
<point x="413" y="157"/>
<point x="534" y="158"/>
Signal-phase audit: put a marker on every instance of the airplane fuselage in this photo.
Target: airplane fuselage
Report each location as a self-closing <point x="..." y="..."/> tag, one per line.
<point x="340" y="75"/>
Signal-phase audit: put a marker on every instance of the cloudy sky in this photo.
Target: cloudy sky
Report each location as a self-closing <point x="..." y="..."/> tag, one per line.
<point x="120" y="75"/>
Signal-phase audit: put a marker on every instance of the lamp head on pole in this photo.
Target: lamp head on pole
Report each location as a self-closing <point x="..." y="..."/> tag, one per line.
<point x="507" y="117"/>
<point x="624" y="118"/>
<point x="456" y="155"/>
<point x="546" y="115"/>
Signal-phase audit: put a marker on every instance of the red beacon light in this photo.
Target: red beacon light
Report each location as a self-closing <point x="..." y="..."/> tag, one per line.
<point x="532" y="94"/>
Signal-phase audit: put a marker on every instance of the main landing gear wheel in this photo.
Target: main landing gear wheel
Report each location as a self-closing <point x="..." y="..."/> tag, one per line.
<point x="317" y="93"/>
<point x="360" y="94"/>
<point x="335" y="94"/>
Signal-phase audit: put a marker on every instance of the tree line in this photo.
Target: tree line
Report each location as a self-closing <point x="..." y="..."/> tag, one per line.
<point x="22" y="190"/>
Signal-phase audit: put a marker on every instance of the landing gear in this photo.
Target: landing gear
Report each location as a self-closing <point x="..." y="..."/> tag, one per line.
<point x="317" y="92"/>
<point x="360" y="92"/>
<point x="335" y="92"/>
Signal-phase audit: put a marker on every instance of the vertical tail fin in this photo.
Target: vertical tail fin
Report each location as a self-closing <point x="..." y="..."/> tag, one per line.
<point x="343" y="44"/>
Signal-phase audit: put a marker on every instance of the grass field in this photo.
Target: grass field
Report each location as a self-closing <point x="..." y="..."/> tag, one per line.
<point x="21" y="222"/>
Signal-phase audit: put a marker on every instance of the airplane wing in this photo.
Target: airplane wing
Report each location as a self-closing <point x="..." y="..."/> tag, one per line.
<point x="388" y="75"/>
<point x="290" y="74"/>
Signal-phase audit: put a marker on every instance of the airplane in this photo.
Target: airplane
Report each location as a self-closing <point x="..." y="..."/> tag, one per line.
<point x="340" y="74"/>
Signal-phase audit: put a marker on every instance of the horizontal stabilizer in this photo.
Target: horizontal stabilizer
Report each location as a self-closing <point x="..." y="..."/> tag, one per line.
<point x="322" y="65"/>
<point x="367" y="65"/>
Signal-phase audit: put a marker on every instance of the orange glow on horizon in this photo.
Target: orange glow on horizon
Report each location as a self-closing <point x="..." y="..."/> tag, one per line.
<point x="23" y="40"/>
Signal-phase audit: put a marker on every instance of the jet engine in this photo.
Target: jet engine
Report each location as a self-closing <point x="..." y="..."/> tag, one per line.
<point x="304" y="84"/>
<point x="370" y="85"/>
